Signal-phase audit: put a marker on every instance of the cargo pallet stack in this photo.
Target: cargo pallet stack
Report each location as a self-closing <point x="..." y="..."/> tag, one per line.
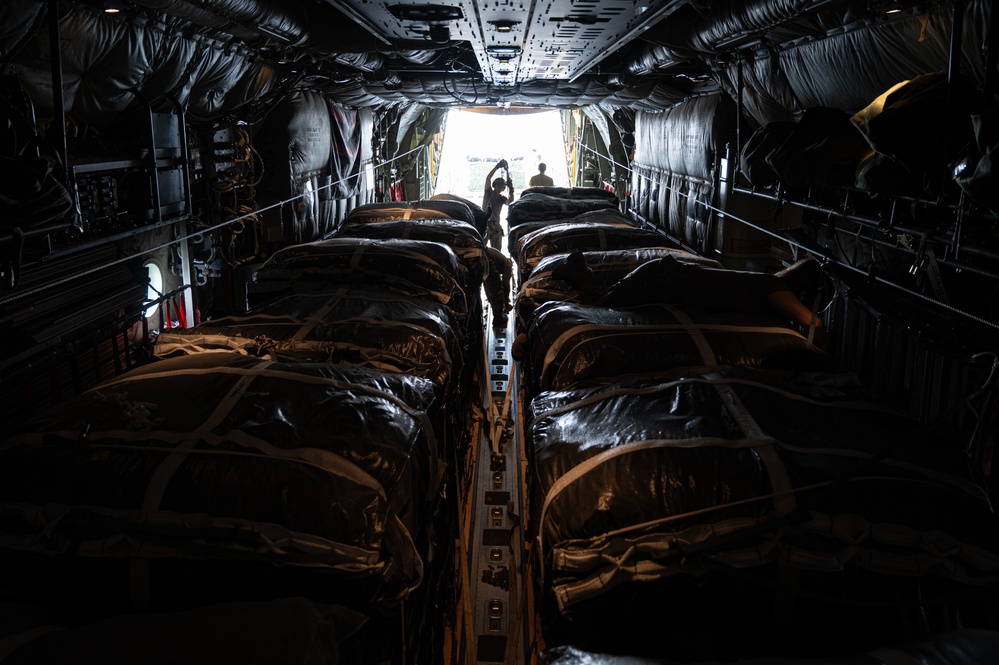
<point x="705" y="486"/>
<point x="278" y="486"/>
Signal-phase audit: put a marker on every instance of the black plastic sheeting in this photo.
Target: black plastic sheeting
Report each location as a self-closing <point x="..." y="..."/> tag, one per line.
<point x="572" y="193"/>
<point x="414" y="267"/>
<point x="727" y="491"/>
<point x="687" y="285"/>
<point x="322" y="473"/>
<point x="583" y="236"/>
<point x="957" y="647"/>
<point x="548" y="281"/>
<point x="286" y="631"/>
<point x="428" y="209"/>
<point x="461" y="237"/>
<point x="571" y="345"/>
<point x="606" y="216"/>
<point x="541" y="207"/>
<point x="358" y="327"/>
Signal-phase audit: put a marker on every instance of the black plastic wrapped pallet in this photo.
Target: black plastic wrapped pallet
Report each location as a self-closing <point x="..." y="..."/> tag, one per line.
<point x="460" y="236"/>
<point x="549" y="281"/>
<point x="309" y="479"/>
<point x="571" y="345"/>
<point x="518" y="233"/>
<point x="414" y="267"/>
<point x="608" y="216"/>
<point x="380" y="330"/>
<point x="595" y="193"/>
<point x="582" y="235"/>
<point x="427" y="209"/>
<point x="738" y="492"/>
<point x="540" y="207"/>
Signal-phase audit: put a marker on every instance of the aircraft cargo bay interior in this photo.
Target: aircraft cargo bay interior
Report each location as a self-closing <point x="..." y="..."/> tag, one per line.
<point x="547" y="332"/>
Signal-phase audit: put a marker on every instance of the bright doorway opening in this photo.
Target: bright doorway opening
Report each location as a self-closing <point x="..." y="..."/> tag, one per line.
<point x="475" y="141"/>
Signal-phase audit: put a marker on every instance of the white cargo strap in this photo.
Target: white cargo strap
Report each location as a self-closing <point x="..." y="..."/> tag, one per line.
<point x="784" y="500"/>
<point x="696" y="336"/>
<point x="319" y="315"/>
<point x="169" y="343"/>
<point x="138" y="570"/>
<point x="168" y="467"/>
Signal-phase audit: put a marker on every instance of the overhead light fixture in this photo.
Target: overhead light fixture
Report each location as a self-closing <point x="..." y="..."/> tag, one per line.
<point x="110" y="9"/>
<point x="425" y="13"/>
<point x="503" y="52"/>
<point x="504" y="25"/>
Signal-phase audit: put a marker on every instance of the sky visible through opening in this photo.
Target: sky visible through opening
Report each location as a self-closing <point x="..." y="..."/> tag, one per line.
<point x="474" y="142"/>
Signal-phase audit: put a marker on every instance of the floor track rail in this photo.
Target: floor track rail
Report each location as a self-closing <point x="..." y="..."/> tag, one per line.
<point x="496" y="552"/>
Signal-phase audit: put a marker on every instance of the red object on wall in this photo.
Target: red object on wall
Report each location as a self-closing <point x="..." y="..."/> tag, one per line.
<point x="396" y="191"/>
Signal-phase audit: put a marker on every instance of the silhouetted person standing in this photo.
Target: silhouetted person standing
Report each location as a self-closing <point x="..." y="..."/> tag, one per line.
<point x="540" y="179"/>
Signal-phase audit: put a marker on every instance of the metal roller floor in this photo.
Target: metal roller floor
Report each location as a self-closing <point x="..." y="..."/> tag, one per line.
<point x="495" y="621"/>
